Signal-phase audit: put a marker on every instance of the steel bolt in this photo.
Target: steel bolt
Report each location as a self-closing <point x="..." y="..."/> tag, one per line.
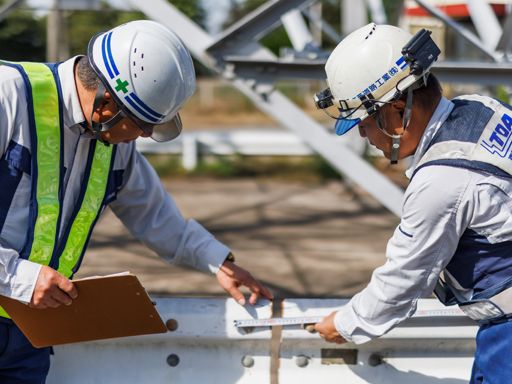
<point x="173" y="360"/>
<point x="302" y="361"/>
<point x="171" y="324"/>
<point x="247" y="361"/>
<point x="374" y="359"/>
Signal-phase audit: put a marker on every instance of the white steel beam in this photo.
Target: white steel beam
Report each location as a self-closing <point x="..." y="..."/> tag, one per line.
<point x="354" y="15"/>
<point x="315" y="135"/>
<point x="267" y="71"/>
<point x="204" y="346"/>
<point x="485" y="21"/>
<point x="506" y="37"/>
<point x="319" y="23"/>
<point x="377" y="11"/>
<point x="255" y="25"/>
<point x="297" y="30"/>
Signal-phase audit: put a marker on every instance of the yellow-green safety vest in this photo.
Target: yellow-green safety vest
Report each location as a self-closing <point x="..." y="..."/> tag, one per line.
<point x="43" y="245"/>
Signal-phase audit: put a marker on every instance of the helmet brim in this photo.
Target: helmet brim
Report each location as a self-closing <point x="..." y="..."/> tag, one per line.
<point x="167" y="131"/>
<point x="342" y="126"/>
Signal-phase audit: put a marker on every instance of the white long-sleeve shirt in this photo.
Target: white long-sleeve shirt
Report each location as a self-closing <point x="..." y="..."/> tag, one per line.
<point x="440" y="203"/>
<point x="140" y="200"/>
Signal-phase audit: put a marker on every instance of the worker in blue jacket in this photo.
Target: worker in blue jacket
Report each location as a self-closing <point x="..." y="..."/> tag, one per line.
<point x="455" y="233"/>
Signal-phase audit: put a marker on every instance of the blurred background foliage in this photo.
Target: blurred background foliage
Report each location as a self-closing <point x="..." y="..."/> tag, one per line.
<point x="23" y="33"/>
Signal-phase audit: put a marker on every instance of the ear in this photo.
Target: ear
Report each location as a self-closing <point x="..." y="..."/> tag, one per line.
<point x="398" y="105"/>
<point x="107" y="98"/>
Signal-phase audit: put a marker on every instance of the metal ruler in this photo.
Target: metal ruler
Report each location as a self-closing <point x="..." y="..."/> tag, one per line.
<point x="304" y="320"/>
<point x="278" y="321"/>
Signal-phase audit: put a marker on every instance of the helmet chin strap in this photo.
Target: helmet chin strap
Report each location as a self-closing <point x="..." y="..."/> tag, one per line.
<point x="98" y="127"/>
<point x="395" y="139"/>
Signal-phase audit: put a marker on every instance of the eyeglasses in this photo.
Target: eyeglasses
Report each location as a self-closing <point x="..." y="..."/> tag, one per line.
<point x="162" y="132"/>
<point x="344" y="122"/>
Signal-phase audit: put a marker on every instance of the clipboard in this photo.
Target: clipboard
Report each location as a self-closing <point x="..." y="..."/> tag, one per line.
<point x="106" y="307"/>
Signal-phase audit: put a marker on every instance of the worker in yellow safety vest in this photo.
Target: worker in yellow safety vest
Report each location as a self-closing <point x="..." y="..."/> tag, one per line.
<point x="67" y="151"/>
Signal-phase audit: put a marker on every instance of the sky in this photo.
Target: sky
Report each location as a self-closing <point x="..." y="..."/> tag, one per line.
<point x="216" y="9"/>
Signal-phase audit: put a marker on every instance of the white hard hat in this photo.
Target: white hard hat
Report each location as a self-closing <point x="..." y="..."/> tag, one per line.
<point x="369" y="68"/>
<point x="149" y="73"/>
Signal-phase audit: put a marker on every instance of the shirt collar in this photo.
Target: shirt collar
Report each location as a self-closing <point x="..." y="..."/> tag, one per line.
<point x="72" y="111"/>
<point x="441" y="113"/>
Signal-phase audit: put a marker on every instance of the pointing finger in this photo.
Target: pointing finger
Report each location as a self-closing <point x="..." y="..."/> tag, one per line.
<point x="236" y="294"/>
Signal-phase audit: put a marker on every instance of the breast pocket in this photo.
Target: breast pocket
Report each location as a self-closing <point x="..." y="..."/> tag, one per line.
<point x="13" y="165"/>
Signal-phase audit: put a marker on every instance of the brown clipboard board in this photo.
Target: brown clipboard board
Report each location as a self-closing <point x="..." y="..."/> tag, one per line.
<point x="106" y="307"/>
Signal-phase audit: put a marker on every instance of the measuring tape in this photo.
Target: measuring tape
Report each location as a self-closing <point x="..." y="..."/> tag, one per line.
<point x="303" y="320"/>
<point x="278" y="321"/>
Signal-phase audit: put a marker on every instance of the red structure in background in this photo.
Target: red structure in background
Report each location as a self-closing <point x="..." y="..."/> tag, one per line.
<point x="454" y="9"/>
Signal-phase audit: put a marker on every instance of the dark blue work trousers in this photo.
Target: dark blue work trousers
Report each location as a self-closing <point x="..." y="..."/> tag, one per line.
<point x="493" y="357"/>
<point x="20" y="362"/>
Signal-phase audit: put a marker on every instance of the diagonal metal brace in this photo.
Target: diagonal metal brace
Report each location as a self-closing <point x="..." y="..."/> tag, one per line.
<point x="255" y="25"/>
<point x="8" y="8"/>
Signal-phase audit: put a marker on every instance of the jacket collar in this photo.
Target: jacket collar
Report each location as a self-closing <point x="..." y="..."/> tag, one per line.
<point x="441" y="113"/>
<point x="73" y="117"/>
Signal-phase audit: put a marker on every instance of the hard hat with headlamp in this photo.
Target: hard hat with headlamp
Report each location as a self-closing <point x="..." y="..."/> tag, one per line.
<point x="371" y="67"/>
<point x="149" y="73"/>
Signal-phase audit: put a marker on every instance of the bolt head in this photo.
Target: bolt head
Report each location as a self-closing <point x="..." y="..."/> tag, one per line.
<point x="173" y="360"/>
<point x="247" y="361"/>
<point x="171" y="324"/>
<point x="302" y="361"/>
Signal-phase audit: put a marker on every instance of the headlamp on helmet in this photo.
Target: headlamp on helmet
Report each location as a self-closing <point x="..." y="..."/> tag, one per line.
<point x="418" y="55"/>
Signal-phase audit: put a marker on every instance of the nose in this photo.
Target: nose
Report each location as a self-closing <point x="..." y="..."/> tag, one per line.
<point x="146" y="132"/>
<point x="362" y="131"/>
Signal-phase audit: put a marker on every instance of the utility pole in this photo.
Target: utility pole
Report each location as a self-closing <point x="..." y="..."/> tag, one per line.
<point x="316" y="30"/>
<point x="57" y="47"/>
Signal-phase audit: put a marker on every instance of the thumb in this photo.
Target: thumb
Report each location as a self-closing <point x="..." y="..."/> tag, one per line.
<point x="67" y="286"/>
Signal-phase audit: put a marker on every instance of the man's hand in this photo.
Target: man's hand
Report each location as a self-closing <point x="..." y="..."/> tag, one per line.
<point x="52" y="290"/>
<point x="327" y="330"/>
<point x="231" y="277"/>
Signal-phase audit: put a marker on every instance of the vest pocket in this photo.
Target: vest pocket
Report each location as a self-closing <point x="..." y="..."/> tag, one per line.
<point x="14" y="162"/>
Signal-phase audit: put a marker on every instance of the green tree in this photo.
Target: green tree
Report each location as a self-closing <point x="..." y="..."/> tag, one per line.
<point x="22" y="36"/>
<point x="84" y="24"/>
<point x="23" y="33"/>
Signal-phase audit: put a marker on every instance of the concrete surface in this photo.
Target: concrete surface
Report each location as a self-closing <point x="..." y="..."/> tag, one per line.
<point x="301" y="239"/>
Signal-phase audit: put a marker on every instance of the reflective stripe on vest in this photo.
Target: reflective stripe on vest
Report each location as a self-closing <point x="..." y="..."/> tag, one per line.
<point x="89" y="210"/>
<point x="46" y="151"/>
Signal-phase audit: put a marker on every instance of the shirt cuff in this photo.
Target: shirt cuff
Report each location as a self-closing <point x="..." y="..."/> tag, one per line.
<point x="200" y="249"/>
<point x="347" y="323"/>
<point x="24" y="282"/>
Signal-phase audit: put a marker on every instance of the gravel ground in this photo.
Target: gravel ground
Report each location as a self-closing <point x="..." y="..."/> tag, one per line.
<point x="301" y="239"/>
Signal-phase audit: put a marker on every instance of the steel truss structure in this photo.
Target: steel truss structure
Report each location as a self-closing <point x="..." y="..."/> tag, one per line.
<point x="241" y="39"/>
<point x="237" y="56"/>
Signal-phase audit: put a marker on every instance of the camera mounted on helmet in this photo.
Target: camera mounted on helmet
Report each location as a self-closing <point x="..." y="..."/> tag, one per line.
<point x="421" y="52"/>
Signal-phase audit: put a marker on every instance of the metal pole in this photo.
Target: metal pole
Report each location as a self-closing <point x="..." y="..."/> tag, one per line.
<point x="354" y="15"/>
<point x="57" y="47"/>
<point x="297" y="30"/>
<point x="316" y="28"/>
<point x="486" y="23"/>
